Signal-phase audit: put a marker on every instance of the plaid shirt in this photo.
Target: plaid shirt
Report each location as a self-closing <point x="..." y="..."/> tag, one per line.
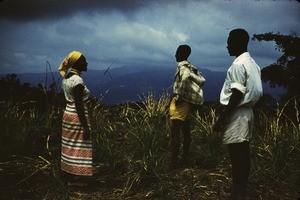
<point x="187" y="83"/>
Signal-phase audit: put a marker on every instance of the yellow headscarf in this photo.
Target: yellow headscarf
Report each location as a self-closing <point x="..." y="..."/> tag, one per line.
<point x="68" y="62"/>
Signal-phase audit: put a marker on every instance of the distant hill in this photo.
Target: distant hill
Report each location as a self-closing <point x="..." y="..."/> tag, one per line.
<point x="124" y="85"/>
<point x="127" y="83"/>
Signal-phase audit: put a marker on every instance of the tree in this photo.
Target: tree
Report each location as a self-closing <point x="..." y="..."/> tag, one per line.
<point x="26" y="96"/>
<point x="286" y="71"/>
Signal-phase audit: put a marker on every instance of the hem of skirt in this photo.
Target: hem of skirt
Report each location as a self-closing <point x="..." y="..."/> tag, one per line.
<point x="76" y="173"/>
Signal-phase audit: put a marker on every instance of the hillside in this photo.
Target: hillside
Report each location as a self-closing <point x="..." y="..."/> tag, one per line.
<point x="123" y="84"/>
<point x="132" y="147"/>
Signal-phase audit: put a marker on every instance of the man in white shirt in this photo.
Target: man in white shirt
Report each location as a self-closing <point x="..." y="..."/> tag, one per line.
<point x="241" y="90"/>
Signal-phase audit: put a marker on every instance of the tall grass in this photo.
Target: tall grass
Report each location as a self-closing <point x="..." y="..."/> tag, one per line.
<point x="132" y="140"/>
<point x="276" y="144"/>
<point x="207" y="149"/>
<point x="13" y="124"/>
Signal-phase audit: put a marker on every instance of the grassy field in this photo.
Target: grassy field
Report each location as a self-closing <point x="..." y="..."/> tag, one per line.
<point x="132" y="153"/>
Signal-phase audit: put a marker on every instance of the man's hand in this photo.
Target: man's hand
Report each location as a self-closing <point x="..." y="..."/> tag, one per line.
<point x="221" y="122"/>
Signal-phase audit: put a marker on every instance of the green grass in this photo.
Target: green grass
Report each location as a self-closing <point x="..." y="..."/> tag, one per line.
<point x="132" y="146"/>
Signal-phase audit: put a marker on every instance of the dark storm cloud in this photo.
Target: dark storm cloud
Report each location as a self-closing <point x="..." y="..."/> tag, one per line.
<point x="23" y="10"/>
<point x="49" y="9"/>
<point x="136" y="32"/>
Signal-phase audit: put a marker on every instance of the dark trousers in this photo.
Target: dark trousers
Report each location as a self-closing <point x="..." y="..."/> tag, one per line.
<point x="179" y="126"/>
<point x="240" y="160"/>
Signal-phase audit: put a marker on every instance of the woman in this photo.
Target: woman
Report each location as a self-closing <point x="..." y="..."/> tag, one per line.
<point x="76" y="150"/>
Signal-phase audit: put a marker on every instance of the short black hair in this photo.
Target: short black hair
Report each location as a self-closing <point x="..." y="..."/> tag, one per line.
<point x="240" y="35"/>
<point x="185" y="50"/>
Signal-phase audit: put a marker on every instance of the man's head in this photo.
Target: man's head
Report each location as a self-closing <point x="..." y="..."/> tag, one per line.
<point x="183" y="52"/>
<point x="237" y="42"/>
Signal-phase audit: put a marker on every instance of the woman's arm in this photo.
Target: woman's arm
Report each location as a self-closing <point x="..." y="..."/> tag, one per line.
<point x="78" y="90"/>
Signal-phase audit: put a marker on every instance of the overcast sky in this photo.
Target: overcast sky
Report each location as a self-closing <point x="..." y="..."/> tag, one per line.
<point x="136" y="32"/>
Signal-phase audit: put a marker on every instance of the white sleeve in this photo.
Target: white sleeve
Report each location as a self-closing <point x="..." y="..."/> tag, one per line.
<point x="238" y="78"/>
<point x="78" y="81"/>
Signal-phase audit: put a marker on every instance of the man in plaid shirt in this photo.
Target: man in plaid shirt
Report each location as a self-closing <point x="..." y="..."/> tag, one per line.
<point x="187" y="92"/>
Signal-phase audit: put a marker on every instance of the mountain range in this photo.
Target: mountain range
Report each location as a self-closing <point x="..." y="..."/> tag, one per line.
<point x="128" y="83"/>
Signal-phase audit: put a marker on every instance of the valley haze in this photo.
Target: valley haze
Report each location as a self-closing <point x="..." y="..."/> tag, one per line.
<point x="132" y="84"/>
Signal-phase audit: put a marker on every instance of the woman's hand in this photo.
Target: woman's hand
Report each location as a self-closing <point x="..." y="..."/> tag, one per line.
<point x="86" y="133"/>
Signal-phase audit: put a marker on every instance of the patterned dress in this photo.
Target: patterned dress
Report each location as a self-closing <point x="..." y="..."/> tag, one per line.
<point x="76" y="153"/>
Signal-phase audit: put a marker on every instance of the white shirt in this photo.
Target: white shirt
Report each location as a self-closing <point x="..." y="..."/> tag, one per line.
<point x="243" y="75"/>
<point x="69" y="84"/>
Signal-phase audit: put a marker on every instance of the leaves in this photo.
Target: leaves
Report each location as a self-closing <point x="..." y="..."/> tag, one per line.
<point x="286" y="71"/>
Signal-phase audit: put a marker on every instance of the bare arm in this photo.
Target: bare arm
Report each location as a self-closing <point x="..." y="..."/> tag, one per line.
<point x="80" y="110"/>
<point x="233" y="103"/>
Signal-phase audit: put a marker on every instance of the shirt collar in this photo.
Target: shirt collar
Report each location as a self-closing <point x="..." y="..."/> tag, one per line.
<point x="242" y="57"/>
<point x="183" y="62"/>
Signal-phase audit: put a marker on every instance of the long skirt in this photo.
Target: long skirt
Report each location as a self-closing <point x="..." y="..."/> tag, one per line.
<point x="76" y="153"/>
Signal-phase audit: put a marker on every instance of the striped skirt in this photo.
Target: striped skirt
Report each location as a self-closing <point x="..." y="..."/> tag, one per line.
<point x="76" y="153"/>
